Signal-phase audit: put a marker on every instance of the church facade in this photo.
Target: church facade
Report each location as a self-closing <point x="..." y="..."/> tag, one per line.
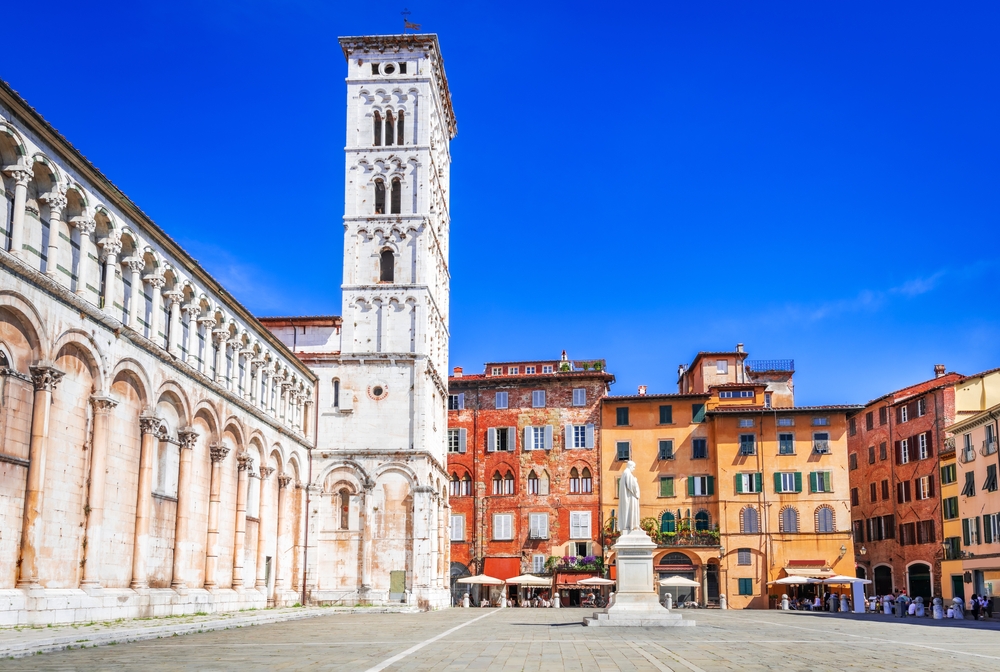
<point x="162" y="450"/>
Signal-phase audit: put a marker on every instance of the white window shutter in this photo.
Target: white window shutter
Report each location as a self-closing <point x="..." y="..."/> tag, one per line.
<point x="548" y="437"/>
<point x="543" y="484"/>
<point x="574" y="525"/>
<point x="585" y="524"/>
<point x="511" y="439"/>
<point x="461" y="401"/>
<point x="569" y="437"/>
<point x="491" y="439"/>
<point x="527" y="438"/>
<point x="463" y="440"/>
<point x="590" y="435"/>
<point x="543" y="527"/>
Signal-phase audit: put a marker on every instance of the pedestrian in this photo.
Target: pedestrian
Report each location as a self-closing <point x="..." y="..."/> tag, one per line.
<point x="975" y="605"/>
<point x="988" y="606"/>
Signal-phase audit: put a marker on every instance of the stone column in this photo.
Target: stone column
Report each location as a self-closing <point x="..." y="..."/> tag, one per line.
<point x="156" y="283"/>
<point x="272" y="393"/>
<point x="422" y="553"/>
<point x="182" y="541"/>
<point x="220" y="336"/>
<point x="307" y="418"/>
<point x="56" y="200"/>
<point x="85" y="226"/>
<point x="245" y="465"/>
<point x="174" y="298"/>
<point x="301" y="520"/>
<point x="135" y="266"/>
<point x="111" y="248"/>
<point x="367" y="517"/>
<point x="21" y="176"/>
<point x="218" y="453"/>
<point x="279" y="562"/>
<point x="283" y="403"/>
<point x="103" y="406"/>
<point x="261" y="583"/>
<point x="45" y="379"/>
<point x="255" y="364"/>
<point x="206" y="323"/>
<point x="189" y="313"/>
<point x="151" y="427"/>
<point x="311" y="555"/>
<point x="248" y="373"/>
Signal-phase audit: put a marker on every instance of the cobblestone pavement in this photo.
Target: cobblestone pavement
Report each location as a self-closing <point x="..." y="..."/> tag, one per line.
<point x="549" y="639"/>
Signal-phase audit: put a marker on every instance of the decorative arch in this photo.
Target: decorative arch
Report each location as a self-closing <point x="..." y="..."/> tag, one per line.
<point x="788" y="519"/>
<point x="132" y="369"/>
<point x="399" y="468"/>
<point x="30" y="322"/>
<point x="749" y="520"/>
<point x="702" y="521"/>
<point x="89" y="347"/>
<point x="240" y="434"/>
<point x="14" y="140"/>
<point x="351" y="465"/>
<point x="825" y="519"/>
<point x="668" y="522"/>
<point x="180" y="398"/>
<point x="210" y="414"/>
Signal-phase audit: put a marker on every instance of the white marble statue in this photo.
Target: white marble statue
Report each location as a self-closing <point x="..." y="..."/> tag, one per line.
<point x="628" y="500"/>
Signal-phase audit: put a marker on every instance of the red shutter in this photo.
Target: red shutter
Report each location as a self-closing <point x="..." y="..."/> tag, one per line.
<point x="930" y="484"/>
<point x="930" y="446"/>
<point x="899" y="453"/>
<point x="911" y="410"/>
<point x="899" y="493"/>
<point x="899" y="415"/>
<point x="906" y="491"/>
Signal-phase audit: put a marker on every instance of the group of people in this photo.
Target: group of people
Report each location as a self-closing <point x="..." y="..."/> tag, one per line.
<point x="891" y="603"/>
<point x="980" y="605"/>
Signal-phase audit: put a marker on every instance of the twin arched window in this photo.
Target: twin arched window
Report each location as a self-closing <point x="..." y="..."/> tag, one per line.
<point x="460" y="488"/>
<point x="749" y="520"/>
<point x="393" y="134"/>
<point x="395" y="196"/>
<point x="580" y="482"/>
<point x="788" y="520"/>
<point x="503" y="485"/>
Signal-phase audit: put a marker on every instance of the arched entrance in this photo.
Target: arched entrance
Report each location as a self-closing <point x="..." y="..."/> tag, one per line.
<point x="458" y="570"/>
<point x="712" y="582"/>
<point x="918" y="581"/>
<point x="883" y="580"/>
<point x="677" y="564"/>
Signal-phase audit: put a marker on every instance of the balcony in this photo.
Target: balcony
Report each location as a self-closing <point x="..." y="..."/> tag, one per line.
<point x="989" y="447"/>
<point x="821" y="447"/>
<point x="767" y="365"/>
<point x="968" y="454"/>
<point x="949" y="446"/>
<point x="668" y="540"/>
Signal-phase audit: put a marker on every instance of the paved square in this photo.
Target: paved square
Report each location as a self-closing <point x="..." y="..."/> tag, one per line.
<point x="549" y="639"/>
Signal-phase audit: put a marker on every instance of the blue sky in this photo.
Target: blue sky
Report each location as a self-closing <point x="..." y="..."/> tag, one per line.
<point x="636" y="182"/>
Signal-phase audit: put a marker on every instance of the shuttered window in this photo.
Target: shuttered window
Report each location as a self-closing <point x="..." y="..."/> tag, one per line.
<point x="501" y="400"/>
<point x="748" y="483"/>
<point x="458" y="528"/>
<point x="743" y="556"/>
<point x="666" y="415"/>
<point x="788" y="481"/>
<point x="666" y="486"/>
<point x="746" y="586"/>
<point x="579" y="525"/>
<point x="538" y="399"/>
<point x="503" y="526"/>
<point x="539" y="525"/>
<point x="580" y="397"/>
<point x="666" y="449"/>
<point x="949" y="508"/>
<point x="623" y="450"/>
<point x="697" y="412"/>
<point x="786" y="444"/>
<point x="699" y="449"/>
<point x="821" y="481"/>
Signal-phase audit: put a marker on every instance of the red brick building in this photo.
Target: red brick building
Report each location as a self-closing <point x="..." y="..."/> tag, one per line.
<point x="894" y="445"/>
<point x="524" y="465"/>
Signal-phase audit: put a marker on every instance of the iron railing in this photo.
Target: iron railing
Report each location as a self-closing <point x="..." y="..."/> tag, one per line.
<point x="761" y="365"/>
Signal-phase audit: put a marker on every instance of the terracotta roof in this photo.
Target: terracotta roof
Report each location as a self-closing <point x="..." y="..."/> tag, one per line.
<point x="920" y="388"/>
<point x="536" y="376"/>
<point x="732" y="385"/>
<point x="665" y="395"/>
<point x="979" y="375"/>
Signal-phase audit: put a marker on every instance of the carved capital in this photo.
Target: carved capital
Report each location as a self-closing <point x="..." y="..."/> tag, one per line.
<point x="85" y="225"/>
<point x="56" y="201"/>
<point x="110" y="247"/>
<point x="244" y="461"/>
<point x="20" y="174"/>
<point x="45" y="378"/>
<point x="150" y="424"/>
<point x="208" y="322"/>
<point x="299" y="485"/>
<point x="256" y="363"/>
<point x="155" y="281"/>
<point x="220" y="336"/>
<point x="103" y="405"/>
<point x="266" y="471"/>
<point x="283" y="481"/>
<point x="218" y="452"/>
<point x="187" y="437"/>
<point x="173" y="296"/>
<point x="135" y="264"/>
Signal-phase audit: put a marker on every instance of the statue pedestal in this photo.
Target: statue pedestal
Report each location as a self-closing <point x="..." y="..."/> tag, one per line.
<point x="636" y="601"/>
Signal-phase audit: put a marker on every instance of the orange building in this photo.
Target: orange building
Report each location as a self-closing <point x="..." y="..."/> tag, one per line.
<point x="738" y="486"/>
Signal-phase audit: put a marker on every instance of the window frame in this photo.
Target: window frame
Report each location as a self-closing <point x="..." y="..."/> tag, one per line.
<point x="618" y="451"/>
<point x="498" y="405"/>
<point x="538" y="398"/>
<point x="579" y="396"/>
<point x="510" y="526"/>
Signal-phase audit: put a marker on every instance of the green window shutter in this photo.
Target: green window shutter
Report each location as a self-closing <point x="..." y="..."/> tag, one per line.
<point x="777" y="482"/>
<point x="690" y="480"/>
<point x="827" y="485"/>
<point x="711" y="485"/>
<point x="965" y="532"/>
<point x="798" y="481"/>
<point x="738" y="479"/>
<point x="758" y="479"/>
<point x="697" y="412"/>
<point x="813" y="481"/>
<point x="666" y="487"/>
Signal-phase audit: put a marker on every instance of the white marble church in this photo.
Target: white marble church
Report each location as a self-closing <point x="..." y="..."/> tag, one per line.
<point x="162" y="450"/>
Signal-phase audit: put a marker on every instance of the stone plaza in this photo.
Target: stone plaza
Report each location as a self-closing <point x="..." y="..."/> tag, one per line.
<point x="550" y="639"/>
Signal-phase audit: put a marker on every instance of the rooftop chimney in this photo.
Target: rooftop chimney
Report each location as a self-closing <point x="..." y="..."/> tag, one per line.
<point x="938" y="370"/>
<point x="680" y="370"/>
<point x="642" y="390"/>
<point x="564" y="355"/>
<point x="739" y="347"/>
<point x="458" y="372"/>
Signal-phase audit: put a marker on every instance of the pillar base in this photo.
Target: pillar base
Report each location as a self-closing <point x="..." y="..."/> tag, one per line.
<point x="92" y="588"/>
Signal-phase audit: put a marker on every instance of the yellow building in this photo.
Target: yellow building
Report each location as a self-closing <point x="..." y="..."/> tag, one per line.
<point x="738" y="487"/>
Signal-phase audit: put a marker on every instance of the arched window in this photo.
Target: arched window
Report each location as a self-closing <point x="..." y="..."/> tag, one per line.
<point x="508" y="484"/>
<point x="336" y="392"/>
<point x="379" y="197"/>
<point x="399" y="128"/>
<point x="466" y="486"/>
<point x="702" y="521"/>
<point x="377" y="128"/>
<point x="454" y="486"/>
<point x="668" y="523"/>
<point x="788" y="520"/>
<point x="4" y="362"/>
<point x="345" y="508"/>
<point x="396" y="197"/>
<point x="825" y="520"/>
<point x="574" y="480"/>
<point x="532" y="483"/>
<point x="386" y="264"/>
<point x="586" y="481"/>
<point x="388" y="128"/>
<point x="497" y="483"/>
<point x="749" y="520"/>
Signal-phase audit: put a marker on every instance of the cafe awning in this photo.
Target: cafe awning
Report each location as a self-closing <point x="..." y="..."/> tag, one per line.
<point x="813" y="569"/>
<point x="502" y="568"/>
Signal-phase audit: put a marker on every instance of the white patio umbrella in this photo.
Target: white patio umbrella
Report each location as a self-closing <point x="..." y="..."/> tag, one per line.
<point x="840" y="579"/>
<point x="679" y="581"/>
<point x="481" y="579"/>
<point x="795" y="580"/>
<point x="530" y="580"/>
<point x="595" y="581"/>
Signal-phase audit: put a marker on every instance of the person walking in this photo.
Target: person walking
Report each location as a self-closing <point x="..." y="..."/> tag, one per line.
<point x="975" y="605"/>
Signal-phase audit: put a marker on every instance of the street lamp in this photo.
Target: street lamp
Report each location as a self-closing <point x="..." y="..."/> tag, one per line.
<point x="722" y="552"/>
<point x="863" y="550"/>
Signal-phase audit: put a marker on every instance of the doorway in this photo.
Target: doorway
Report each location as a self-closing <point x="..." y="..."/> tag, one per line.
<point x="957" y="586"/>
<point x="712" y="582"/>
<point x="883" y="580"/>
<point x="919" y="581"/>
